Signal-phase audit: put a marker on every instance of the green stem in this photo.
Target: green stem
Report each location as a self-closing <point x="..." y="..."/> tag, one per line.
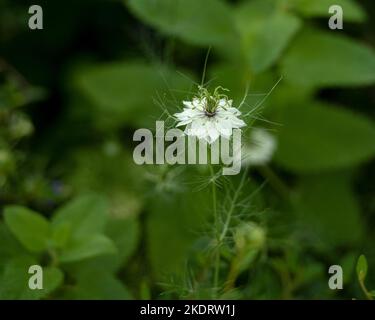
<point x="275" y="181"/>
<point x="233" y="205"/>
<point x="54" y="258"/>
<point x="365" y="291"/>
<point x="233" y="274"/>
<point x="214" y="206"/>
<point x="216" y="221"/>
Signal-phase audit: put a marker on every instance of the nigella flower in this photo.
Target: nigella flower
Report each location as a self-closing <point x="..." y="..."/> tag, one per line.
<point x="209" y="116"/>
<point x="260" y="149"/>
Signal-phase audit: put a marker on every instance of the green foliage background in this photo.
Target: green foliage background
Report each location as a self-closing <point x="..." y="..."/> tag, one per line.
<point x="73" y="200"/>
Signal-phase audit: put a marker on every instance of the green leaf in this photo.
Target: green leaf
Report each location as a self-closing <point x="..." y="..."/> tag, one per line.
<point x="14" y="284"/>
<point x="14" y="280"/>
<point x="87" y="247"/>
<point x="126" y="92"/>
<point x="61" y="234"/>
<point x="232" y="77"/>
<point x="192" y="212"/>
<point x="85" y="215"/>
<point x="353" y="12"/>
<point x="52" y="279"/>
<point x="266" y="32"/>
<point x="362" y="268"/>
<point x="317" y="137"/>
<point x="29" y="227"/>
<point x="198" y="22"/>
<point x="125" y="235"/>
<point x="105" y="287"/>
<point x="319" y="58"/>
<point x="348" y="263"/>
<point x="330" y="209"/>
<point x="120" y="184"/>
<point x="9" y="247"/>
<point x="237" y="78"/>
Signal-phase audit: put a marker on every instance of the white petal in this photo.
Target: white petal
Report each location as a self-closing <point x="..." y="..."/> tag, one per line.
<point x="188" y="104"/>
<point x="212" y="131"/>
<point x="224" y="127"/>
<point x="223" y="103"/>
<point x="183" y="123"/>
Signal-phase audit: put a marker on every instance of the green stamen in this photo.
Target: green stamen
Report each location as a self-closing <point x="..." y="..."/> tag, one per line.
<point x="212" y="100"/>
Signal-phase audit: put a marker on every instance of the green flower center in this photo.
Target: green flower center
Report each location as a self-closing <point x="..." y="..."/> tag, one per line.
<point x="211" y="105"/>
<point x="212" y="100"/>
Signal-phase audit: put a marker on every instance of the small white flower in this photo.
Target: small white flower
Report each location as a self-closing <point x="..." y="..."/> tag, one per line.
<point x="260" y="149"/>
<point x="209" y="117"/>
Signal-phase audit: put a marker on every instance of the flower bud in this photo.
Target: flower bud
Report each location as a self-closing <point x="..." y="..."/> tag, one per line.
<point x="249" y="236"/>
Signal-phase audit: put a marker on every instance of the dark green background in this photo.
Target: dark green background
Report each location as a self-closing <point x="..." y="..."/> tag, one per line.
<point x="72" y="94"/>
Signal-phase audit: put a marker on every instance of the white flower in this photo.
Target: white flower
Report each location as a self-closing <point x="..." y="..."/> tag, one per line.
<point x="209" y="117"/>
<point x="261" y="148"/>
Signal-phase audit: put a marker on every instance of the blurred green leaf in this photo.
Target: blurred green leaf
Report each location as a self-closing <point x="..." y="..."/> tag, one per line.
<point x="238" y="78"/>
<point x="131" y="92"/>
<point x="125" y="235"/>
<point x="52" y="279"/>
<point x="86" y="215"/>
<point x="14" y="94"/>
<point x="329" y="208"/>
<point x="61" y="234"/>
<point x="144" y="293"/>
<point x="178" y="218"/>
<point x="317" y="137"/>
<point x="310" y="273"/>
<point x="319" y="58"/>
<point x="15" y="277"/>
<point x="14" y="284"/>
<point x="19" y="126"/>
<point x="206" y="22"/>
<point x="9" y="247"/>
<point x="87" y="246"/>
<point x="353" y="12"/>
<point x="234" y="77"/>
<point x="348" y="263"/>
<point x="266" y="31"/>
<point x="29" y="227"/>
<point x="105" y="287"/>
<point x="121" y="184"/>
<point x="7" y="164"/>
<point x="362" y="268"/>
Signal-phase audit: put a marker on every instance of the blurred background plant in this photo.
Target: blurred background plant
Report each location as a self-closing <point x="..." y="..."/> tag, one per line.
<point x="72" y="94"/>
